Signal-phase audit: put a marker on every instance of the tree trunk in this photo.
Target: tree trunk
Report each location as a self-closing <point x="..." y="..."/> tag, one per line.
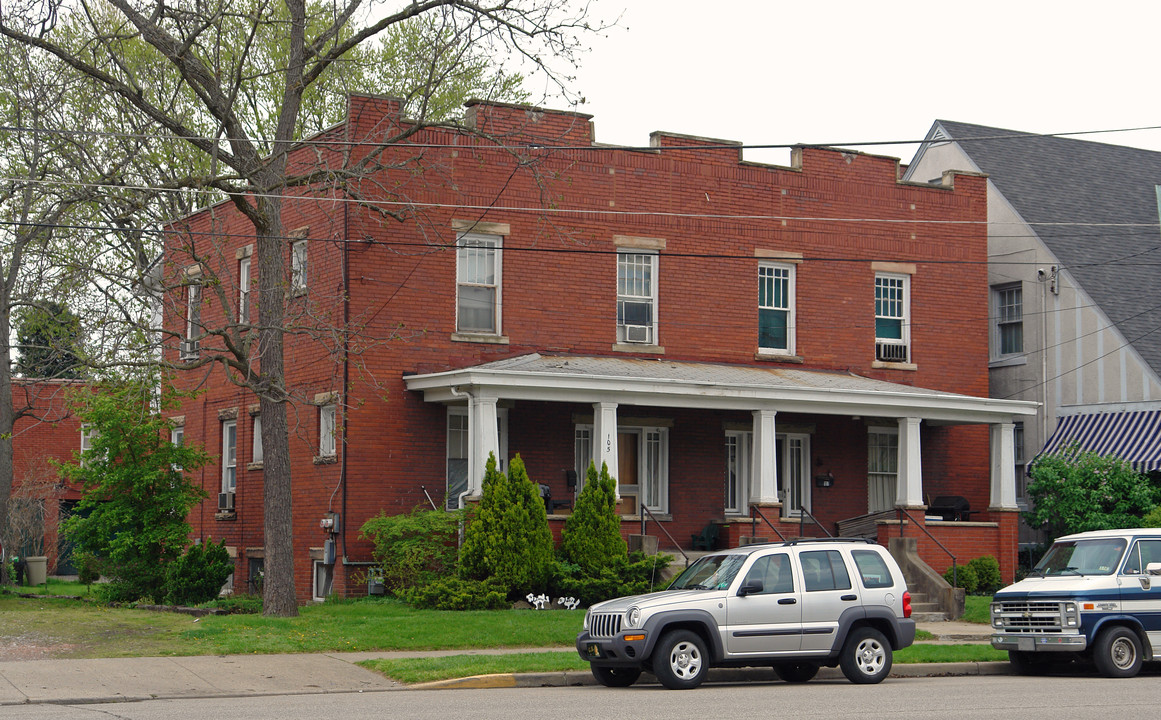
<point x="7" y="420"/>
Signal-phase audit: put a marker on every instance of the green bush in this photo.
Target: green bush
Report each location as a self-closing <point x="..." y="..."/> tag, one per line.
<point x="1074" y="491"/>
<point x="633" y="574"/>
<point x="237" y="604"/>
<point x="456" y="593"/>
<point x="591" y="537"/>
<point x="88" y="568"/>
<point x="987" y="570"/>
<point x="198" y="575"/>
<point x="1152" y="518"/>
<point x="965" y="577"/>
<point x="507" y="538"/>
<point x="413" y="548"/>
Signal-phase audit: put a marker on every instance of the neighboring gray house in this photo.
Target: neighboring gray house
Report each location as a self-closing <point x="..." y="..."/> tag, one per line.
<point x="1075" y="270"/>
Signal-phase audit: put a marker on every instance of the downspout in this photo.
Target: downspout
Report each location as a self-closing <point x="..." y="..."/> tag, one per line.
<point x="456" y="392"/>
<point x="346" y="261"/>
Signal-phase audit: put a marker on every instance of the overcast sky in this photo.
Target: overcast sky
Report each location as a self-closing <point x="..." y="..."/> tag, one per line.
<point x="818" y="71"/>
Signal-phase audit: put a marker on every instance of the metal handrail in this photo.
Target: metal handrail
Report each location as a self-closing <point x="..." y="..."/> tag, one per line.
<point x="754" y="523"/>
<point x="813" y="519"/>
<point x="954" y="574"/>
<point x="648" y="512"/>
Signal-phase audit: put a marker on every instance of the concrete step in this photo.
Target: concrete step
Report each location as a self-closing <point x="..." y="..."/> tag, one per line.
<point x="926" y="608"/>
<point x="927" y="617"/>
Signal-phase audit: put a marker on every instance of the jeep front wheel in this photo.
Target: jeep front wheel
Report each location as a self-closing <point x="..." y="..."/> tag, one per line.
<point x="615" y="676"/>
<point x="1117" y="653"/>
<point x="679" y="660"/>
<point x="866" y="656"/>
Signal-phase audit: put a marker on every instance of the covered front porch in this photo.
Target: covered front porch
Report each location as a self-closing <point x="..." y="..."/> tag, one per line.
<point x="756" y="451"/>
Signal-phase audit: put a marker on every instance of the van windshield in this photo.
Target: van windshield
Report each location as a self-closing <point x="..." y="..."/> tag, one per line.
<point x="1082" y="557"/>
<point x="711" y="572"/>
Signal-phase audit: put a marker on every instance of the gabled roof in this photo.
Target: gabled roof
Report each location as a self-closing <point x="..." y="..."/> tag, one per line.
<point x="1095" y="207"/>
<point x="670" y="383"/>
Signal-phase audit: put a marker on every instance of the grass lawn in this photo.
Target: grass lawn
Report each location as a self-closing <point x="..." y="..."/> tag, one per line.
<point x="421" y="670"/>
<point x="977" y="609"/>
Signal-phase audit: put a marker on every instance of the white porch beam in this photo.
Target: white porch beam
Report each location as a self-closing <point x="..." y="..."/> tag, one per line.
<point x="909" y="488"/>
<point x="764" y="470"/>
<point x="605" y="440"/>
<point x="1003" y="452"/>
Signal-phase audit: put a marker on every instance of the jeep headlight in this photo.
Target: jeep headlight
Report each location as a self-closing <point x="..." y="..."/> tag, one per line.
<point x="588" y="614"/>
<point x="633" y="617"/>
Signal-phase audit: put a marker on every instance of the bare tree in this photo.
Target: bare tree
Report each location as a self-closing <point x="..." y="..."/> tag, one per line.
<point x="240" y="82"/>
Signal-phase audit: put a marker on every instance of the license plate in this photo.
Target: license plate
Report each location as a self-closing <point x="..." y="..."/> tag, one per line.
<point x="594" y="650"/>
<point x="1025" y="644"/>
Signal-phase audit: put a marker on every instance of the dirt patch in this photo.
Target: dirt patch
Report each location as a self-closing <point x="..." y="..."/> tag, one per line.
<point x="31" y="646"/>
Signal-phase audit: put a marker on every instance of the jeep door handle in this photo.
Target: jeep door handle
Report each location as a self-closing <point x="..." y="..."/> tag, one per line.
<point x="786" y="601"/>
<point x="849" y="598"/>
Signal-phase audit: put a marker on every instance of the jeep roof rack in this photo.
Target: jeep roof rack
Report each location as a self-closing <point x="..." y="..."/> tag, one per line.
<point x="804" y="540"/>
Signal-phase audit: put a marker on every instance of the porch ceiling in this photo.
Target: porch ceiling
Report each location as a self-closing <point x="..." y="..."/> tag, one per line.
<point x="668" y="383"/>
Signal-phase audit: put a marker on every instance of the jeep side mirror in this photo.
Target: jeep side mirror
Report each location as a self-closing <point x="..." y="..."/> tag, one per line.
<point x="755" y="586"/>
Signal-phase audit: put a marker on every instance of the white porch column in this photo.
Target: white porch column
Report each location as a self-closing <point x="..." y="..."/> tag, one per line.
<point x="605" y="440"/>
<point x="909" y="487"/>
<point x="1003" y="452"/>
<point x="483" y="439"/>
<point x="764" y="467"/>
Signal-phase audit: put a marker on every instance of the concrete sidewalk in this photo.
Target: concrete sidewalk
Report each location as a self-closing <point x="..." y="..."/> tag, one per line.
<point x="131" y="679"/>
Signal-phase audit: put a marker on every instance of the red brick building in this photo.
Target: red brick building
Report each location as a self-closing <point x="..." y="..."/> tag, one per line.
<point x="45" y="433"/>
<point x="772" y="349"/>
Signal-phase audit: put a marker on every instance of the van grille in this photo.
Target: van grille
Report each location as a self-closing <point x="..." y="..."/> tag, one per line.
<point x="1024" y="616"/>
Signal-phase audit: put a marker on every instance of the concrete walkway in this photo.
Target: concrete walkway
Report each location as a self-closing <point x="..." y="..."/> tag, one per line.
<point x="132" y="679"/>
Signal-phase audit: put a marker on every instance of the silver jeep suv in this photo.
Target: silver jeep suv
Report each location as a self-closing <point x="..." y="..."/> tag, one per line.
<point x="795" y="605"/>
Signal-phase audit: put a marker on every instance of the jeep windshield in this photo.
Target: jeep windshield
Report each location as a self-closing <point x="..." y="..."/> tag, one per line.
<point x="1081" y="557"/>
<point x="710" y="572"/>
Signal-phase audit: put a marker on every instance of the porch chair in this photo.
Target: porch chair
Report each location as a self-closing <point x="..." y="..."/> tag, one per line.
<point x="707" y="539"/>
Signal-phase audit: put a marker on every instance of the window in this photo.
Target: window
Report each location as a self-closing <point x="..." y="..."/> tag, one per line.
<point x="1008" y="319"/>
<point x="193" y="320"/>
<point x="738" y="460"/>
<point x="1018" y="454"/>
<point x="298" y="267"/>
<point x="774" y="572"/>
<point x="323" y="580"/>
<point x="326" y="431"/>
<point x="478" y="283"/>
<point x="88" y="434"/>
<point x="892" y="307"/>
<point x="882" y="468"/>
<point x="776" y="308"/>
<point x="824" y="570"/>
<point x="457" y="457"/>
<point x="244" y="290"/>
<point x="1143" y="553"/>
<point x="229" y="456"/>
<point x="637" y="298"/>
<point x="582" y="454"/>
<point x="256" y="449"/>
<point x="873" y="572"/>
<point x="177" y="439"/>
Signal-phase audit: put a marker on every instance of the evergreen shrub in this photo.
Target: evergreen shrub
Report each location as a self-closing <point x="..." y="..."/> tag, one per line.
<point x="197" y="576"/>
<point x="965" y="577"/>
<point x="987" y="570"/>
<point x="591" y="537"/>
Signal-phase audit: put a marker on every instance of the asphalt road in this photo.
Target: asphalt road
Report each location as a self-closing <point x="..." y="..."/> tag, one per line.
<point x="981" y="697"/>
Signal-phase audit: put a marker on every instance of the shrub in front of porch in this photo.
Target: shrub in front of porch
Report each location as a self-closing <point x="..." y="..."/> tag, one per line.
<point x="414" y="549"/>
<point x="507" y="539"/>
<point x="591" y="537"/>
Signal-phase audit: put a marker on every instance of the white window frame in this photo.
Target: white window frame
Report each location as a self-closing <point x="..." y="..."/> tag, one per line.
<point x="87" y="435"/>
<point x="256" y="439"/>
<point x="461" y="411"/>
<point x="229" y="456"/>
<point x="327" y="420"/>
<point x="896" y="309"/>
<point x="244" y="290"/>
<point x="1006" y="314"/>
<point x="773" y="270"/>
<point x="874" y="470"/>
<point x="652" y="488"/>
<point x="474" y="252"/>
<point x="193" y="318"/>
<point x="177" y="439"/>
<point x="637" y="291"/>
<point x="582" y="453"/>
<point x="739" y="449"/>
<point x="298" y="266"/>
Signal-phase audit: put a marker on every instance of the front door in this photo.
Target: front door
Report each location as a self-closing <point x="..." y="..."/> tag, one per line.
<point x="1141" y="592"/>
<point x="627" y="465"/>
<point x="794" y="473"/>
<point x="769" y="621"/>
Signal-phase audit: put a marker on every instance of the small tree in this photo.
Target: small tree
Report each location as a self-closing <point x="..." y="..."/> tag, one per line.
<point x="136" y="495"/>
<point x="591" y="537"/>
<point x="1076" y="490"/>
<point x="508" y="539"/>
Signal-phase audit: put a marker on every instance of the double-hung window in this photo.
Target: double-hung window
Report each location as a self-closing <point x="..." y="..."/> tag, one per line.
<point x="326" y="430"/>
<point x="892" y="317"/>
<point x="882" y="468"/>
<point x="738" y="460"/>
<point x="193" y="319"/>
<point x="298" y="257"/>
<point x="244" y="290"/>
<point x="776" y="309"/>
<point x="1007" y="321"/>
<point x="256" y="441"/>
<point x="229" y="456"/>
<point x="637" y="297"/>
<point x="478" y="275"/>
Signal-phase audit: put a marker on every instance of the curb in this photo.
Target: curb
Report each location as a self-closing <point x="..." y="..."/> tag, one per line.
<point x="716" y="675"/>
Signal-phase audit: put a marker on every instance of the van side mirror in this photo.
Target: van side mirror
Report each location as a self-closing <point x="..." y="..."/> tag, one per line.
<point x="1153" y="568"/>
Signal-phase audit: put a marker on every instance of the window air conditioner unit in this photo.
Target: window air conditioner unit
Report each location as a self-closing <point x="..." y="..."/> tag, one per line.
<point x="890" y="352"/>
<point x="189" y="348"/>
<point x="226" y="502"/>
<point x="637" y="333"/>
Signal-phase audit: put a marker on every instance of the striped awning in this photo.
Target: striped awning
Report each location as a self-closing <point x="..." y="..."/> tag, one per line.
<point x="1132" y="436"/>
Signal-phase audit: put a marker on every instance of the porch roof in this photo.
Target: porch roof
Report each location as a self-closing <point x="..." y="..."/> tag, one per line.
<point x="669" y="383"/>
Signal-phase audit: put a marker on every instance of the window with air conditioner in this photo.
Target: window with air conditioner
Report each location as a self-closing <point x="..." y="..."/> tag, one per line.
<point x="892" y="318"/>
<point x="637" y="298"/>
<point x="229" y="456"/>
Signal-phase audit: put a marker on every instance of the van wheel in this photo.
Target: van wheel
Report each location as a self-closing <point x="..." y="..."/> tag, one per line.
<point x="679" y="660"/>
<point x="798" y="672"/>
<point x="1117" y="653"/>
<point x="866" y="656"/>
<point x="615" y="676"/>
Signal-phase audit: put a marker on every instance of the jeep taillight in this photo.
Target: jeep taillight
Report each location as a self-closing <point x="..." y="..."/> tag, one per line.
<point x="906" y="604"/>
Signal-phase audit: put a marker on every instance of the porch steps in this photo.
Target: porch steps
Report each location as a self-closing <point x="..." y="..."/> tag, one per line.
<point x="923" y="610"/>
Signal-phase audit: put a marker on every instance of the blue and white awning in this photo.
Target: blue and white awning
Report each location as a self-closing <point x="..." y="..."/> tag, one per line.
<point x="1132" y="436"/>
